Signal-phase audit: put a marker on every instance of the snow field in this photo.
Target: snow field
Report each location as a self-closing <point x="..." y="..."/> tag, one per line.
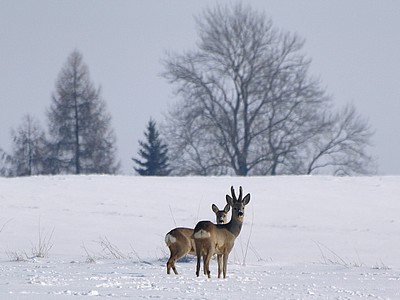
<point x="303" y="237"/>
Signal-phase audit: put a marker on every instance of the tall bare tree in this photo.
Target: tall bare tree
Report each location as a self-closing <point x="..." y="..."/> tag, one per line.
<point x="29" y="148"/>
<point x="247" y="102"/>
<point x="80" y="127"/>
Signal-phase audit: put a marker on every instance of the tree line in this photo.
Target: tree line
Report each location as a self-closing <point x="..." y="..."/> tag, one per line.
<point x="246" y="104"/>
<point x="80" y="139"/>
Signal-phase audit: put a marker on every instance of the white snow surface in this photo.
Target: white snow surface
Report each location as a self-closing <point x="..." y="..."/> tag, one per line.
<point x="304" y="237"/>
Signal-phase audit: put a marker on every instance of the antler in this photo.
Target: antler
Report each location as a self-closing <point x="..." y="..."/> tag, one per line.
<point x="233" y="194"/>
<point x="238" y="199"/>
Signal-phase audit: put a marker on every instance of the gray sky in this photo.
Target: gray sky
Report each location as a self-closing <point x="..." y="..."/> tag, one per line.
<point x="354" y="47"/>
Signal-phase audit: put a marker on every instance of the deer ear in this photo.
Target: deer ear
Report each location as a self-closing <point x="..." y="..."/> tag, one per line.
<point x="229" y="200"/>
<point x="246" y="199"/>
<point x="227" y="208"/>
<point x="214" y="208"/>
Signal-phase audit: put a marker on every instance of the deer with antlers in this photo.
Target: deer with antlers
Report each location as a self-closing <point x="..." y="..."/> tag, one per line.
<point x="180" y="240"/>
<point x="219" y="239"/>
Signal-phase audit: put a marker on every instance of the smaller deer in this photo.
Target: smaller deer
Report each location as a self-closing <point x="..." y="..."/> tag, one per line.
<point x="219" y="239"/>
<point x="180" y="241"/>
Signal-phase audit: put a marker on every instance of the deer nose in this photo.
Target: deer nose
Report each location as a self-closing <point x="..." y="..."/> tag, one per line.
<point x="240" y="213"/>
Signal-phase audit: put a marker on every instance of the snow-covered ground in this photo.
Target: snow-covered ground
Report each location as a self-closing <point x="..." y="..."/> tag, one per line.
<point x="103" y="236"/>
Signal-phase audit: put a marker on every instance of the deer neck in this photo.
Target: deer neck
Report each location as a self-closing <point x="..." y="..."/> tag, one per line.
<point x="234" y="226"/>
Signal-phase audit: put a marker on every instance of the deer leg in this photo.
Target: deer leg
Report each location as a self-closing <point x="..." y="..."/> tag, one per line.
<point x="225" y="263"/>
<point x="204" y="264"/>
<point x="219" y="259"/>
<point x="174" y="269"/>
<point x="198" y="262"/>
<point x="171" y="264"/>
<point x="207" y="264"/>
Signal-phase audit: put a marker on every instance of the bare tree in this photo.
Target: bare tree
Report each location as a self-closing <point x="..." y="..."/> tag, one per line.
<point x="29" y="148"/>
<point x="82" y="140"/>
<point x="247" y="102"/>
<point x="5" y="164"/>
<point x="341" y="146"/>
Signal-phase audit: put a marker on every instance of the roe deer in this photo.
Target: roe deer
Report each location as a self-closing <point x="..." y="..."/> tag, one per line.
<point x="180" y="241"/>
<point x="219" y="239"/>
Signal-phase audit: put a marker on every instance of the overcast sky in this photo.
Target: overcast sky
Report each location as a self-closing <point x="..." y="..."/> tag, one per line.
<point x="354" y="47"/>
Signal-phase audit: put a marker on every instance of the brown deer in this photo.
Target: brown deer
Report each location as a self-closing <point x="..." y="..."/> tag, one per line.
<point x="180" y="241"/>
<point x="219" y="239"/>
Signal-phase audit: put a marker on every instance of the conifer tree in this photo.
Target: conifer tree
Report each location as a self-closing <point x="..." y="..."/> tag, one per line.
<point x="153" y="152"/>
<point x="82" y="140"/>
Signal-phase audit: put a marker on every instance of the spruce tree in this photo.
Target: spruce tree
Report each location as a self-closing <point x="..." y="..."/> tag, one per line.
<point x="153" y="152"/>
